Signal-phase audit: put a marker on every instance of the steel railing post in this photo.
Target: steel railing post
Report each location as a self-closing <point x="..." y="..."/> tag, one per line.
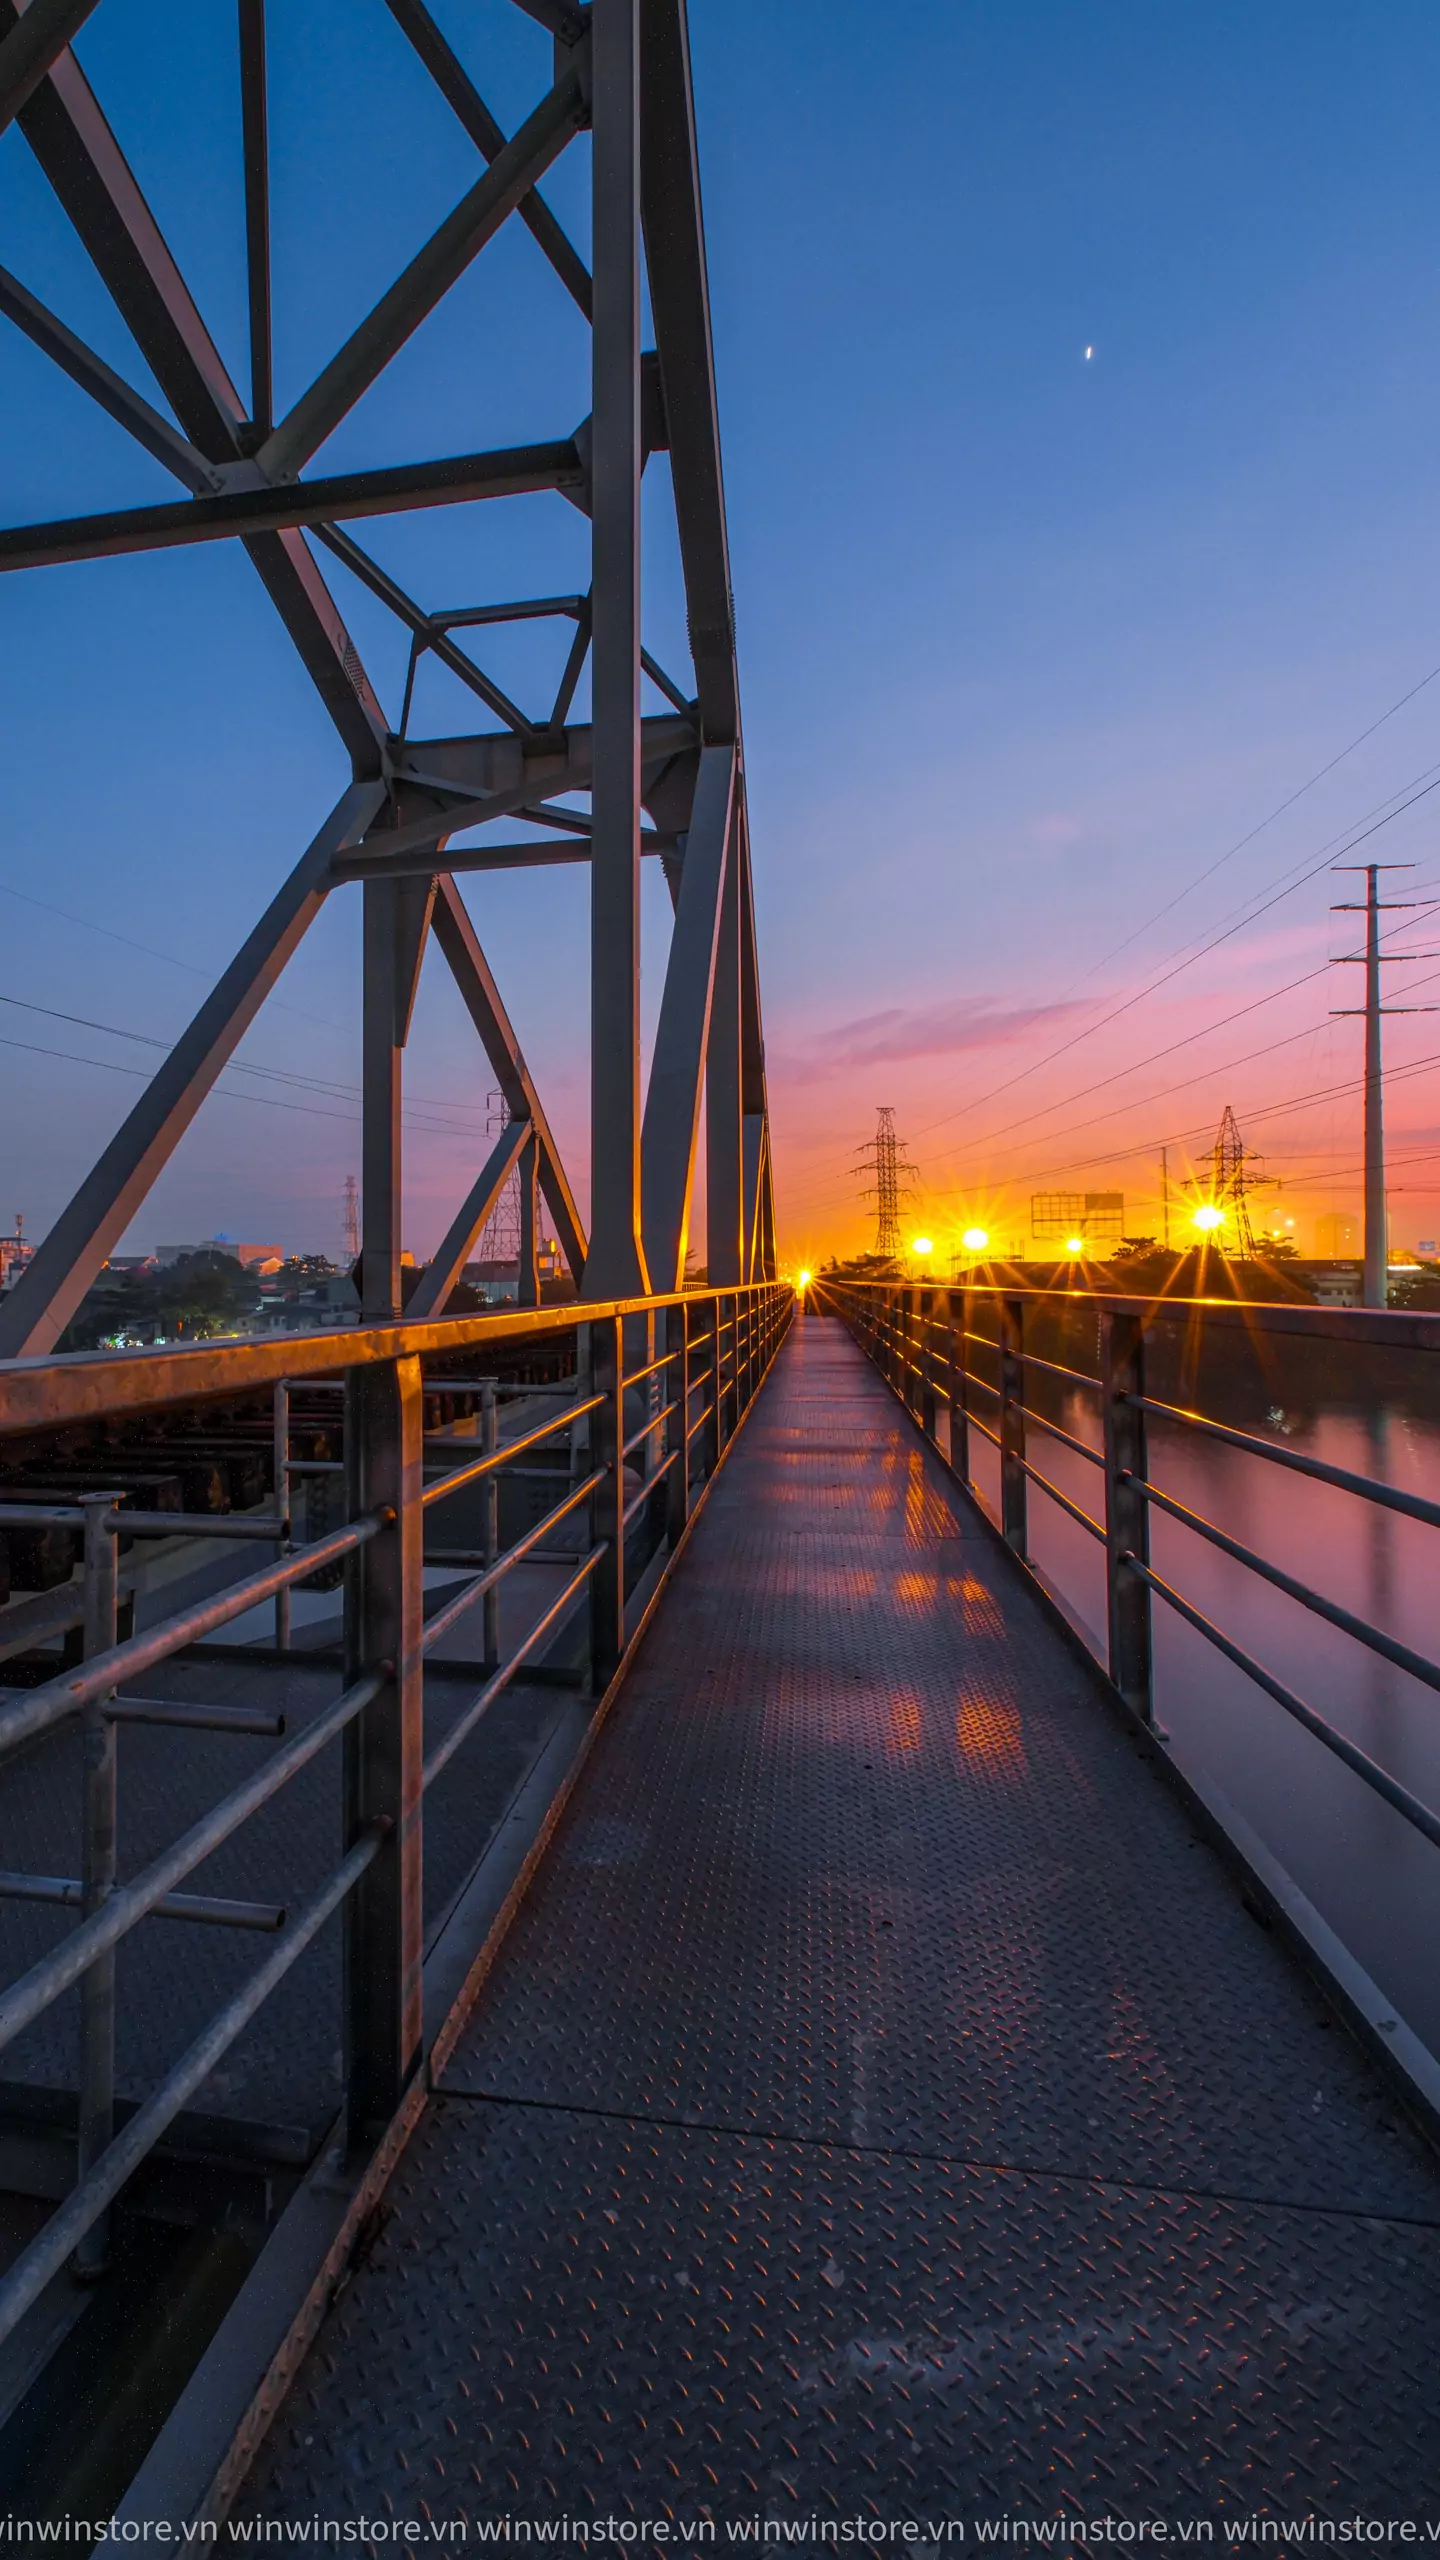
<point x="710" y="1434"/>
<point x="282" y="1504"/>
<point x="490" y="1523"/>
<point x="384" y="1931"/>
<point x="927" y="1380"/>
<point x="958" y="1383"/>
<point x="1127" y="1513"/>
<point x="607" y="1439"/>
<point x="1012" y="1423"/>
<point x="98" y="1870"/>
<point x="677" y="1442"/>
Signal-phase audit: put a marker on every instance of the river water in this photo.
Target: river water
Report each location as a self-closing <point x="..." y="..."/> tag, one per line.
<point x="1371" y="1875"/>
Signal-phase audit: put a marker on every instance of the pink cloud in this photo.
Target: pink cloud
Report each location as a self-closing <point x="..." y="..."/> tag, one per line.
<point x="926" y="1031"/>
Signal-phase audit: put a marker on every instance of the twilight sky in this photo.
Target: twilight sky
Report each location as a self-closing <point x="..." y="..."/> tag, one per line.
<point x="1029" y="642"/>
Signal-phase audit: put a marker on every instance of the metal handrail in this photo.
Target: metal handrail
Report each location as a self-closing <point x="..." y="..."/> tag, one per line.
<point x="1131" y="1495"/>
<point x="455" y="1482"/>
<point x="36" y="1710"/>
<point x="1402" y="1655"/>
<point x="1369" y="1488"/>
<point x="753" y="1316"/>
<point x="1340" y="1743"/>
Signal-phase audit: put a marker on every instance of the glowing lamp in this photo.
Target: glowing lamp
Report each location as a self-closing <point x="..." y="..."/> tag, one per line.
<point x="1207" y="1217"/>
<point x="975" y="1239"/>
<point x="922" y="1244"/>
<point x="804" y="1280"/>
<point x="1074" y="1244"/>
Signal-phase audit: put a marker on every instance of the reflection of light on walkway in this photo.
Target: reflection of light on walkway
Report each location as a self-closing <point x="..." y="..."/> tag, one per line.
<point x="987" y="1730"/>
<point x="905" y="1719"/>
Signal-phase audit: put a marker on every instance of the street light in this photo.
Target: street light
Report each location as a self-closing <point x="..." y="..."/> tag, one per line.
<point x="975" y="1239"/>
<point x="1207" y="1217"/>
<point x="804" y="1280"/>
<point x="1074" y="1244"/>
<point x="922" y="1245"/>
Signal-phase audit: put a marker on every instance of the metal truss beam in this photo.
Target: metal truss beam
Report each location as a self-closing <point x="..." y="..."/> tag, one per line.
<point x="445" y="1267"/>
<point x="456" y="480"/>
<point x="623" y="66"/>
<point x="677" y="1066"/>
<point x="430" y="274"/>
<point x="459" y="90"/>
<point x="470" y="969"/>
<point x="37" y="1310"/>
<point x="31" y="47"/>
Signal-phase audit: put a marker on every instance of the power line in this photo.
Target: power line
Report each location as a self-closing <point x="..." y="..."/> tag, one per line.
<point x="1186" y="961"/>
<point x="1278" y="812"/>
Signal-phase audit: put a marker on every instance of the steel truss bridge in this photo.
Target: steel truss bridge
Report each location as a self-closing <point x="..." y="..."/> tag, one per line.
<point x="590" y="1940"/>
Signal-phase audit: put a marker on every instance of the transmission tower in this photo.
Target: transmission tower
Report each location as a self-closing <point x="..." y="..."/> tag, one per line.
<point x="886" y="1159"/>
<point x="500" y="1235"/>
<point x="352" y="1216"/>
<point x="1234" y="1179"/>
<point x="1376" y="1290"/>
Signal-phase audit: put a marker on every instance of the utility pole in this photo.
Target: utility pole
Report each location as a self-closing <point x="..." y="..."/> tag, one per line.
<point x="1375" y="1292"/>
<point x="1165" y="1194"/>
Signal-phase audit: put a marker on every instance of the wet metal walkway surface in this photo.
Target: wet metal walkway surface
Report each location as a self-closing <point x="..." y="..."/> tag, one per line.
<point x="883" y="2104"/>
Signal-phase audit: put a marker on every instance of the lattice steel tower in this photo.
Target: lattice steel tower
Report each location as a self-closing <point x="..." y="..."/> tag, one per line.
<point x="885" y="1157"/>
<point x="1234" y="1179"/>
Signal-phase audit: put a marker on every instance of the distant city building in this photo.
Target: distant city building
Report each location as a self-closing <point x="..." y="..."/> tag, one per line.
<point x="259" y="1258"/>
<point x="14" y="1254"/>
<point x="1096" y="1217"/>
<point x="1337" y="1235"/>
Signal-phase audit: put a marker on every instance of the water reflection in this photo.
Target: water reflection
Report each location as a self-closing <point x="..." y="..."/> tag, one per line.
<point x="1370" y="1875"/>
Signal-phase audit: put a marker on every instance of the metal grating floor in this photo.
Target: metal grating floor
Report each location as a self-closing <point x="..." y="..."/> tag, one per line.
<point x="883" y="2104"/>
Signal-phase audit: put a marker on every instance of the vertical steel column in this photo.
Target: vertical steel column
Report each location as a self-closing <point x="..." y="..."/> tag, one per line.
<point x="1127" y="1513"/>
<point x="724" y="1134"/>
<point x="528" y="1288"/>
<point x="384" y="1941"/>
<point x="490" y="1523"/>
<point x="1011" y="1312"/>
<point x="98" y="1854"/>
<point x="677" y="1429"/>
<point x="959" y="1384"/>
<point x="607" y="1438"/>
<point x="710" y="1436"/>
<point x="924" y="1322"/>
<point x="282" y="1504"/>
<point x="381" y="1056"/>
<point x="615" y="1263"/>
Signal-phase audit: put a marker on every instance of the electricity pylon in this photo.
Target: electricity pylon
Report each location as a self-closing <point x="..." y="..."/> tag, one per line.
<point x="892" y="1170"/>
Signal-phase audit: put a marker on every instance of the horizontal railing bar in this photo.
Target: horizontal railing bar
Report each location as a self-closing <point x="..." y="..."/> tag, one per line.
<point x="1063" y="1499"/>
<point x="701" y="1418"/>
<point x="461" y="1731"/>
<point x="973" y="1379"/>
<point x="648" y="1429"/>
<point x="18" y="1514"/>
<point x="975" y="1424"/>
<point x="202" y="1719"/>
<point x="48" y="2253"/>
<point x="455" y="1609"/>
<point x="1344" y="1749"/>
<point x="494" y="1458"/>
<point x="129" y="1903"/>
<point x="1058" y="1369"/>
<point x="40" y="1708"/>
<point x="647" y="1488"/>
<point x="1369" y="1488"/>
<point x="1417" y="1664"/>
<point x="198" y="1524"/>
<point x="666" y="1360"/>
<point x="69" y="1891"/>
<point x="1081" y="1448"/>
<point x="983" y="1341"/>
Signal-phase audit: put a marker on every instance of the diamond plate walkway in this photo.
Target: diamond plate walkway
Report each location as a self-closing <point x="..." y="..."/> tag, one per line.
<point x="883" y="2105"/>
